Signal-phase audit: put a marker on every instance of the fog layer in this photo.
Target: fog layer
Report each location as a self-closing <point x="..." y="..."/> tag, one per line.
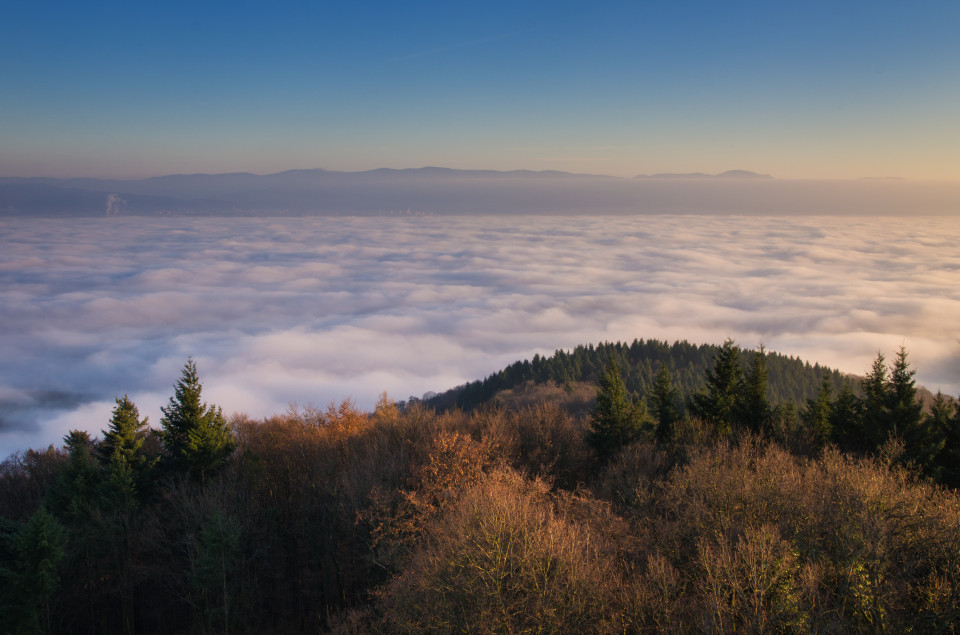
<point x="309" y="310"/>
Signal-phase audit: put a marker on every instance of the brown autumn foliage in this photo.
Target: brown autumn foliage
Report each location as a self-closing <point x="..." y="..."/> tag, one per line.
<point x="502" y="520"/>
<point x="504" y="559"/>
<point x="701" y="535"/>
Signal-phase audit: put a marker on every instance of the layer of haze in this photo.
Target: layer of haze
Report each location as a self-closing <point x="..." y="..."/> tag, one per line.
<point x="809" y="90"/>
<point x="311" y="310"/>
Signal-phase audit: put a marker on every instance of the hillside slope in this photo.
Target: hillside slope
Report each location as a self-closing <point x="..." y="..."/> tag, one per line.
<point x="790" y="378"/>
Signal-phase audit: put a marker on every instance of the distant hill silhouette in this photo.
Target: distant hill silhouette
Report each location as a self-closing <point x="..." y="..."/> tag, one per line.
<point x="446" y="191"/>
<point x="790" y="379"/>
<point x="729" y="174"/>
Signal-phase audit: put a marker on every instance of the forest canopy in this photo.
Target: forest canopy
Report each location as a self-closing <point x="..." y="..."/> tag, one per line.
<point x="612" y="488"/>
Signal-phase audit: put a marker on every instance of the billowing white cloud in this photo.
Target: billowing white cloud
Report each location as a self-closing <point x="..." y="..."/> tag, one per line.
<point x="309" y="310"/>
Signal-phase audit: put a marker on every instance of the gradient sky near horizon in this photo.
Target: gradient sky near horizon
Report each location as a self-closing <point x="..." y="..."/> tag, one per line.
<point x="798" y="90"/>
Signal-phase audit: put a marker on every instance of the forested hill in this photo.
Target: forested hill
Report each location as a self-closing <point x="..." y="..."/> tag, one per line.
<point x="790" y="378"/>
<point x="838" y="517"/>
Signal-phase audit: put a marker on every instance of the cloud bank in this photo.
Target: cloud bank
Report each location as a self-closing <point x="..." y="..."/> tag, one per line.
<point x="309" y="310"/>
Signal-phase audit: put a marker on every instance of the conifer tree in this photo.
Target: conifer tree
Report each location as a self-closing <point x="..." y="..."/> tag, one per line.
<point x="817" y="414"/>
<point x="922" y="440"/>
<point x="78" y="482"/>
<point x="941" y="411"/>
<point x="718" y="402"/>
<point x="845" y="417"/>
<point x="78" y="444"/>
<point x="30" y="582"/>
<point x="615" y="420"/>
<point x="195" y="436"/>
<point x="904" y="407"/>
<point x="664" y="402"/>
<point x="124" y="437"/>
<point x="875" y="425"/>
<point x="218" y="554"/>
<point x="754" y="408"/>
<point x="939" y="421"/>
<point x="950" y="456"/>
<point x="122" y="456"/>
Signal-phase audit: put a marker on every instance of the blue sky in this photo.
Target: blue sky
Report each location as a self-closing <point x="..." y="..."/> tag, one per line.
<point x="799" y="90"/>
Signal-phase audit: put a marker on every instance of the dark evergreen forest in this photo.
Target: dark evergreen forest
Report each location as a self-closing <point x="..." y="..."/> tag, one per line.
<point x="634" y="488"/>
<point x="790" y="379"/>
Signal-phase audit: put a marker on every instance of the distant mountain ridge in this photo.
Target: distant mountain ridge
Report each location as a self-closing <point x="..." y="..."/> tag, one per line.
<point x="445" y="191"/>
<point x="729" y="174"/>
<point x="307" y="191"/>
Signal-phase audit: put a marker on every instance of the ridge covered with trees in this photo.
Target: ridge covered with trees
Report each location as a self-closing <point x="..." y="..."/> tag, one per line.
<point x="790" y="379"/>
<point x="660" y="505"/>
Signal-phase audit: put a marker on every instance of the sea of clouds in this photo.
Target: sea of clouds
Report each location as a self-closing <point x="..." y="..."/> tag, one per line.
<point x="279" y="311"/>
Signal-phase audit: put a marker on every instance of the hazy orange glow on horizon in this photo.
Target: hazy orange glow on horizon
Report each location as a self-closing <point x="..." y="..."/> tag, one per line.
<point x="798" y="91"/>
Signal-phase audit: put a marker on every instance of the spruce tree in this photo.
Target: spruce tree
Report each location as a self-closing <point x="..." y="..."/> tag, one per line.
<point x="615" y="420"/>
<point x="941" y="411"/>
<point x="664" y="402"/>
<point x="78" y="484"/>
<point x="950" y="456"/>
<point x="124" y="437"/>
<point x="875" y="424"/>
<point x="29" y="584"/>
<point x="939" y="421"/>
<point x="214" y="575"/>
<point x="922" y="440"/>
<point x="845" y="418"/>
<point x="754" y="409"/>
<point x="195" y="436"/>
<point x="122" y="456"/>
<point x="718" y="402"/>
<point x="904" y="407"/>
<point x="816" y="417"/>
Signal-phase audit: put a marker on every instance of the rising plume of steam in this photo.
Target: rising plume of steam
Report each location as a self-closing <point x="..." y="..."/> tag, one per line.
<point x="114" y="205"/>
